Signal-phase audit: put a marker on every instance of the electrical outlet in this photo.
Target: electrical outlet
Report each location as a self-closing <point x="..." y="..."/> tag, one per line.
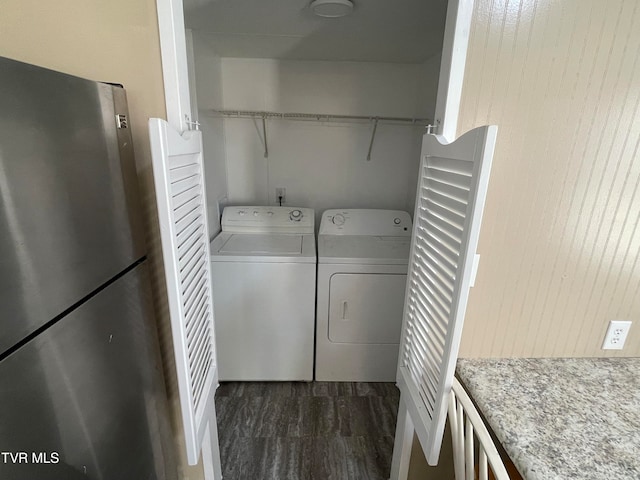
<point x="616" y="334"/>
<point x="281" y="192"/>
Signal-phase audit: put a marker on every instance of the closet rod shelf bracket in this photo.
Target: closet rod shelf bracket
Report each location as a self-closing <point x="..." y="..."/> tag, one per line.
<point x="264" y="136"/>
<point x="323" y="117"/>
<point x="373" y="135"/>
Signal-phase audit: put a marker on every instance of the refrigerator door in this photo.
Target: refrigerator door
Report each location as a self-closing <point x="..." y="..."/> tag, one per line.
<point x="67" y="201"/>
<point x="88" y="393"/>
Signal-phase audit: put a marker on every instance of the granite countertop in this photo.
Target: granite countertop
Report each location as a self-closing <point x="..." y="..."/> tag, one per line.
<point x="561" y="418"/>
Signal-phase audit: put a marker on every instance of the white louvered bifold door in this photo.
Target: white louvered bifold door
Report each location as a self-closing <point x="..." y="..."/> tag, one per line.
<point x="452" y="186"/>
<point x="180" y="193"/>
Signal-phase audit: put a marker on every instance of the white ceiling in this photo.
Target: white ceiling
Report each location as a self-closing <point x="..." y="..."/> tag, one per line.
<point x="405" y="31"/>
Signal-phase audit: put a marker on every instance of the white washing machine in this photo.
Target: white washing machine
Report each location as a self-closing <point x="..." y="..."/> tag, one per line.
<point x="263" y="267"/>
<point x="362" y="272"/>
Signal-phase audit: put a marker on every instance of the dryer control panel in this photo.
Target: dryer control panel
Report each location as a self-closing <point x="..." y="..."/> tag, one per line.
<point x="267" y="220"/>
<point x="366" y="222"/>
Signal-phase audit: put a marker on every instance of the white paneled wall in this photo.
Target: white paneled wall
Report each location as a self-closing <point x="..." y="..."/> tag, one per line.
<point x="321" y="165"/>
<point x="560" y="241"/>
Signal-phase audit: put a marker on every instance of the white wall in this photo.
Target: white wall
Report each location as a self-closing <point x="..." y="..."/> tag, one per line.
<point x="322" y="165"/>
<point x="427" y="92"/>
<point x="208" y="83"/>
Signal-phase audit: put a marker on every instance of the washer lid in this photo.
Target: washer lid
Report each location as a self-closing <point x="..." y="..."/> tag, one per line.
<point x="270" y="244"/>
<point x="364" y="249"/>
<point x="263" y="248"/>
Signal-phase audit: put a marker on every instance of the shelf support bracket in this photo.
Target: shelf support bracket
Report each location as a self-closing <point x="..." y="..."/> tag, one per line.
<point x="264" y="136"/>
<point x="373" y="135"/>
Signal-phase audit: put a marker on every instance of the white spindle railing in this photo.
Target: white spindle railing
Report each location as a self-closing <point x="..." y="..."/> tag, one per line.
<point x="466" y="428"/>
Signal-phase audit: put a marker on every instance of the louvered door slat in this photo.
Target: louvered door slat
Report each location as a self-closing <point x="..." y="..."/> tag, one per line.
<point x="450" y="199"/>
<point x="185" y="238"/>
<point x="423" y="283"/>
<point x="194" y="228"/>
<point x="440" y="238"/>
<point x="199" y="386"/>
<point x="179" y="173"/>
<point x="443" y="213"/>
<point x="198" y="356"/>
<point x="419" y="367"/>
<point x="186" y="203"/>
<point x="183" y="161"/>
<point x="434" y="242"/>
<point x="444" y="263"/>
<point x="432" y="300"/>
<point x="454" y="205"/>
<point x="443" y="283"/>
<point x="185" y="183"/>
<point x="201" y="302"/>
<point x="197" y="289"/>
<point x="195" y="329"/>
<point x="179" y="180"/>
<point x="198" y="327"/>
<point x="191" y="273"/>
<point x="453" y="232"/>
<point x="188" y="251"/>
<point x="429" y="309"/>
<point x="447" y="189"/>
<point x="186" y="187"/>
<point x="427" y="306"/>
<point x="192" y="276"/>
<point x="184" y="222"/>
<point x="461" y="167"/>
<point x="431" y="336"/>
<point x="443" y="274"/>
<point x="428" y="356"/>
<point x="461" y="181"/>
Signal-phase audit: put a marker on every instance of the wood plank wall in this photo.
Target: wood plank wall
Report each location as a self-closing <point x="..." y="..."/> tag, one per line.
<point x="560" y="242"/>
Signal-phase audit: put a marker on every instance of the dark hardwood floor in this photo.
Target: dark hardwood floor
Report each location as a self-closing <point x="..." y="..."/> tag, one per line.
<point x="302" y="431"/>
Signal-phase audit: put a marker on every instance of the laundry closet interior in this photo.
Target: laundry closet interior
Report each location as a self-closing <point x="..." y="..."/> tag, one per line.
<point x="381" y="60"/>
<point x="302" y="110"/>
<point x="318" y="113"/>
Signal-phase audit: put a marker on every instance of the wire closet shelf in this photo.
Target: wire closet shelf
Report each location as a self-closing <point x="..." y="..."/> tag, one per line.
<point x="320" y="117"/>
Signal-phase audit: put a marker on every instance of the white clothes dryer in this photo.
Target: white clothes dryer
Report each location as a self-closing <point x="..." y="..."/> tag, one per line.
<point x="362" y="272"/>
<point x="263" y="269"/>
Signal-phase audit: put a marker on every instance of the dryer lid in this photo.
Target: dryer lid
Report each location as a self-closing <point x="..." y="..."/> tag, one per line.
<point x="363" y="249"/>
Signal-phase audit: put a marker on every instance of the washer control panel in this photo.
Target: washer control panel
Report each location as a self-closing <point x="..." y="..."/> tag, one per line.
<point x="366" y="222"/>
<point x="267" y="220"/>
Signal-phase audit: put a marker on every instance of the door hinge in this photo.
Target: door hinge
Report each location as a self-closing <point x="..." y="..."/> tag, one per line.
<point x="191" y="125"/>
<point x="121" y="121"/>
<point x="432" y="129"/>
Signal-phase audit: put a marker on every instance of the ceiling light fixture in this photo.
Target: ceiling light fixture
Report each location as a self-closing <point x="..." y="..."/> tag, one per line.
<point x="332" y="8"/>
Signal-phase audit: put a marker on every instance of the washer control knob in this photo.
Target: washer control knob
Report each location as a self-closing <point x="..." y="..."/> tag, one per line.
<point x="295" y="215"/>
<point x="338" y="219"/>
<point x="255" y="213"/>
<point x="397" y="221"/>
<point x="270" y="214"/>
<point x="241" y="212"/>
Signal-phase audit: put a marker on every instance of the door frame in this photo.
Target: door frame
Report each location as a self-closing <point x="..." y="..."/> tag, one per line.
<point x="452" y="67"/>
<point x="175" y="71"/>
<point x="175" y="66"/>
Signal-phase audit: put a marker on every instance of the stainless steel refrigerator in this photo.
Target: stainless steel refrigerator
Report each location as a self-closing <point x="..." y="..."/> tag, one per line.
<point x="81" y="389"/>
